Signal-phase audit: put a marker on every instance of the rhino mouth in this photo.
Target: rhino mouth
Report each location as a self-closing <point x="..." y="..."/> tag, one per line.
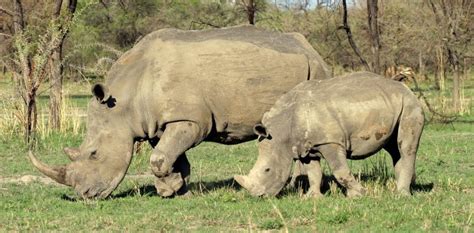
<point x="96" y="191"/>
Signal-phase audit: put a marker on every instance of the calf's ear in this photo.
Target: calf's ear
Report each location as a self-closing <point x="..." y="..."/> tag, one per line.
<point x="260" y="130"/>
<point x="100" y="92"/>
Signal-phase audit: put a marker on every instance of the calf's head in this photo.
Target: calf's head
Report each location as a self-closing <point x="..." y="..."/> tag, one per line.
<point x="273" y="166"/>
<point x="104" y="157"/>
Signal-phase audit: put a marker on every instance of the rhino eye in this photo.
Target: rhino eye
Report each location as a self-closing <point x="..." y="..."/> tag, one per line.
<point x="267" y="169"/>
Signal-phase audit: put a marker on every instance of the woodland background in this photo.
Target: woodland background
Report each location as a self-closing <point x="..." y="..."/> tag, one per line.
<point x="44" y="43"/>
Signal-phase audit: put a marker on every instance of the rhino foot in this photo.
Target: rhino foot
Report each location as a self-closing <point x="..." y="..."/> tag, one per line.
<point x="355" y="193"/>
<point x="404" y="192"/>
<point x="315" y="194"/>
<point x="169" y="185"/>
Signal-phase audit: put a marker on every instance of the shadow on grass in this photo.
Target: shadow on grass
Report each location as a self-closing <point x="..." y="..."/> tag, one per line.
<point x="200" y="187"/>
<point x="422" y="188"/>
<point x="301" y="185"/>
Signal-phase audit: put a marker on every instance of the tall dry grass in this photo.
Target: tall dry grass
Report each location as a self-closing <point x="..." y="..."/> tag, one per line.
<point x="12" y="118"/>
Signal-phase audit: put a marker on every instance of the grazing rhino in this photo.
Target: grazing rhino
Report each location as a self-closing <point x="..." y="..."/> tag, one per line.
<point x="176" y="89"/>
<point x="349" y="117"/>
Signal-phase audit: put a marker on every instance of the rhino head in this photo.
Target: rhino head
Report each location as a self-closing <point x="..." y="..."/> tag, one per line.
<point x="273" y="166"/>
<point x="100" y="164"/>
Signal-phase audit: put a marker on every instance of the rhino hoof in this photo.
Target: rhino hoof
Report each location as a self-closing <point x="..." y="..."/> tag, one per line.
<point x="313" y="194"/>
<point x="175" y="181"/>
<point x="163" y="189"/>
<point x="352" y="193"/>
<point x="404" y="192"/>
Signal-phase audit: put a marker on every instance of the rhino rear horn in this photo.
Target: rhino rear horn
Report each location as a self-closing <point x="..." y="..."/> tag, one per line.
<point x="242" y="181"/>
<point x="56" y="173"/>
<point x="72" y="153"/>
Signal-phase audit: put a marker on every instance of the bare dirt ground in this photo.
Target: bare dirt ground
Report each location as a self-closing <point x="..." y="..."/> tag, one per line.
<point x="28" y="179"/>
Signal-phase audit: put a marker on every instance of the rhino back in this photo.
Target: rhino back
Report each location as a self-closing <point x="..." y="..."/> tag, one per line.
<point x="281" y="42"/>
<point x="359" y="111"/>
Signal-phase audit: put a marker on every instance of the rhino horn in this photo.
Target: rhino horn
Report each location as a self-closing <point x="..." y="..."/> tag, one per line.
<point x="72" y="153"/>
<point x="56" y="173"/>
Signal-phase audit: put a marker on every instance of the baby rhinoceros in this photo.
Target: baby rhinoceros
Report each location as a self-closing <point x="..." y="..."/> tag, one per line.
<point x="348" y="117"/>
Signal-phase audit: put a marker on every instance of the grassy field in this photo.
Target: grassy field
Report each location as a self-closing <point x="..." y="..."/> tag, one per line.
<point x="442" y="199"/>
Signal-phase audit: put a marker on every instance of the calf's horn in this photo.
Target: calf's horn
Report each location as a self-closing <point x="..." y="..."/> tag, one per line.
<point x="56" y="173"/>
<point x="242" y="181"/>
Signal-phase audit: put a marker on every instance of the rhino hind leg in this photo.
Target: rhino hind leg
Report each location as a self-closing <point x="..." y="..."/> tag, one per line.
<point x="335" y="155"/>
<point x="403" y="148"/>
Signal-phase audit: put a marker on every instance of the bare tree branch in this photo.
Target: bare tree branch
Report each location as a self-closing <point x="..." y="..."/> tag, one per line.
<point x="7" y="11"/>
<point x="346" y="27"/>
<point x="6" y="35"/>
<point x="57" y="8"/>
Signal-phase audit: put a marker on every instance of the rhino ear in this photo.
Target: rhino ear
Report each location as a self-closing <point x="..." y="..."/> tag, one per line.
<point x="261" y="131"/>
<point x="100" y="92"/>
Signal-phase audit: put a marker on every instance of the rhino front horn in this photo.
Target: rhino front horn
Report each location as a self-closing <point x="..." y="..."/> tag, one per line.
<point x="56" y="173"/>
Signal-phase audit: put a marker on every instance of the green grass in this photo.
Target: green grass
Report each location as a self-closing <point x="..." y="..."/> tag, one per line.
<point x="442" y="199"/>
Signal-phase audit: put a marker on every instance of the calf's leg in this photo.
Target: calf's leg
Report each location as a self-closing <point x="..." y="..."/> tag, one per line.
<point x="408" y="138"/>
<point x="335" y="155"/>
<point x="299" y="171"/>
<point x="315" y="176"/>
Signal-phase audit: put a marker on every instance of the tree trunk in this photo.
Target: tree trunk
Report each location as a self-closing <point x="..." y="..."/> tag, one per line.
<point x="440" y="75"/>
<point x="456" y="89"/>
<point x="55" y="77"/>
<point x="55" y="94"/>
<point x="18" y="22"/>
<point x="456" y="81"/>
<point x="31" y="119"/>
<point x="421" y="65"/>
<point x="56" y="68"/>
<point x="251" y="9"/>
<point x="372" y="10"/>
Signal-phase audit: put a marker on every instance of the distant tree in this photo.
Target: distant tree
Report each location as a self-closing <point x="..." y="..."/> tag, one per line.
<point x="251" y="7"/>
<point x="454" y="20"/>
<point x="56" y="62"/>
<point x="34" y="46"/>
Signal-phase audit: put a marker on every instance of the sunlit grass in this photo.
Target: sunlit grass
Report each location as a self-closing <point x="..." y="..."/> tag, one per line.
<point x="441" y="201"/>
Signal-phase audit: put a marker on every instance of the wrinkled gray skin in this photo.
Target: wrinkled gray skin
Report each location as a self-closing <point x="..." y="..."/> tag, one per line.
<point x="176" y="89"/>
<point x="349" y="117"/>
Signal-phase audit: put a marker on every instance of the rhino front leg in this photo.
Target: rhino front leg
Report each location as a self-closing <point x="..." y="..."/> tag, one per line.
<point x="168" y="161"/>
<point x="299" y="172"/>
<point x="335" y="155"/>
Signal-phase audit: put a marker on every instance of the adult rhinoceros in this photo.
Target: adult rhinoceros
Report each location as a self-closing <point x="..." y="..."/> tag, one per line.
<point x="176" y="89"/>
